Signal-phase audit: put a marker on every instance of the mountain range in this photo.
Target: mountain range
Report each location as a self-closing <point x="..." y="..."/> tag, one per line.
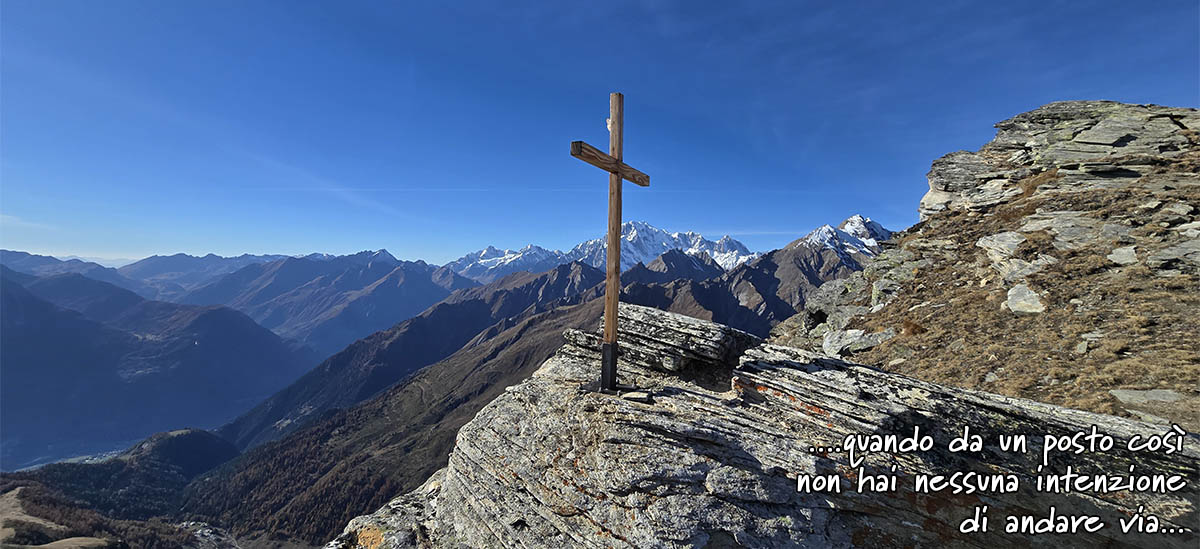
<point x="1057" y="264"/>
<point x="89" y="367"/>
<point x="383" y="412"/>
<point x="378" y="361"/>
<point x="642" y="243"/>
<point x="174" y="275"/>
<point x="163" y="278"/>
<point x="385" y="357"/>
<point x="426" y="370"/>
<point x="328" y="303"/>
<point x="43" y="265"/>
<point x="760" y="293"/>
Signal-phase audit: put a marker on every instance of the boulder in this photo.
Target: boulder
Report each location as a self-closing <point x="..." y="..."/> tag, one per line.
<point x="842" y="342"/>
<point x="1126" y="255"/>
<point x="1000" y="248"/>
<point x="1021" y="299"/>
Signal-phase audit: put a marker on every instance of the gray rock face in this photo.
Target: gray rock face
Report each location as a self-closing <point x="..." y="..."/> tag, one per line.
<point x="1131" y="396"/>
<point x="713" y="460"/>
<point x="838" y="342"/>
<point x="1185" y="255"/>
<point x="1126" y="255"/>
<point x="831" y="308"/>
<point x="1021" y="299"/>
<point x="1074" y="137"/>
<point x="1000" y="248"/>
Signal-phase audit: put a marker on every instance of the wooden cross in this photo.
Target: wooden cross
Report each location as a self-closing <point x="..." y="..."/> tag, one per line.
<point x="617" y="170"/>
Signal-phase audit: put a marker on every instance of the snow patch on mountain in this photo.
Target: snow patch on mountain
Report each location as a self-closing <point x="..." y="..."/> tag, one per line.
<point x="857" y="235"/>
<point x="642" y="242"/>
<point x="866" y="230"/>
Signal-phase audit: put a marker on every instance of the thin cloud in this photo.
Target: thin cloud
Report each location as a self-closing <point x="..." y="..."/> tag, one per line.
<point x="216" y="129"/>
<point x="349" y="195"/>
<point x="16" y="222"/>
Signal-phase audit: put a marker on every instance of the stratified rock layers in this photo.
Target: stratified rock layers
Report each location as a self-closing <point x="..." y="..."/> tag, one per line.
<point x="713" y="459"/>
<point x="1092" y="143"/>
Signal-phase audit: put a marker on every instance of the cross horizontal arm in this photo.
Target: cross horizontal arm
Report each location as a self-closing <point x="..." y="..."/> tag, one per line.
<point x="599" y="159"/>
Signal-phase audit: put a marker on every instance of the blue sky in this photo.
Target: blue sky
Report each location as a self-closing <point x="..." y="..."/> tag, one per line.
<point x="436" y="128"/>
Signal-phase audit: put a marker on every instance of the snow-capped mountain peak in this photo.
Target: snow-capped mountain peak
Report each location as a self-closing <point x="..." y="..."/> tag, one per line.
<point x="641" y="242"/>
<point x="856" y="235"/>
<point x="865" y="229"/>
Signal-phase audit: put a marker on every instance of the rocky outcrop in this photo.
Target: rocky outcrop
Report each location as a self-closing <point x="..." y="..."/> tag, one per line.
<point x="1082" y="139"/>
<point x="1060" y="262"/>
<point x="711" y="460"/>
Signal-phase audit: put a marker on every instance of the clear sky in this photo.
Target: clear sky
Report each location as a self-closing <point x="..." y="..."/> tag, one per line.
<point x="436" y="128"/>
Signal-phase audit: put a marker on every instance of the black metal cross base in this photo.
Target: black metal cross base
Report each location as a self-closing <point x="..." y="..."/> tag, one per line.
<point x="608" y="373"/>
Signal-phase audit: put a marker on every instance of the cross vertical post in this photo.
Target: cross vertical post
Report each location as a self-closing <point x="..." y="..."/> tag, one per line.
<point x="618" y="171"/>
<point x="612" y="280"/>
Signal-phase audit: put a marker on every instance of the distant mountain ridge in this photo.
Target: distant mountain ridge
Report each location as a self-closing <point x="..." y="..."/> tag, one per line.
<point x="673" y="265"/>
<point x="161" y="277"/>
<point x="754" y="296"/>
<point x="330" y="302"/>
<point x="88" y="366"/>
<point x="401" y="405"/>
<point x="44" y="265"/>
<point x="760" y="293"/>
<point x="376" y="362"/>
<point x="175" y="274"/>
<point x="642" y="243"/>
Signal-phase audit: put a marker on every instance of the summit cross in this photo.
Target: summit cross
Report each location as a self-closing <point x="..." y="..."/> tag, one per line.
<point x="617" y="171"/>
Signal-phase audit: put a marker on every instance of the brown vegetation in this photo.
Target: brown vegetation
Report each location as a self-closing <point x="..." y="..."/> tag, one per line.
<point x="1030" y="184"/>
<point x="44" y="503"/>
<point x="1149" y="322"/>
<point x="308" y="485"/>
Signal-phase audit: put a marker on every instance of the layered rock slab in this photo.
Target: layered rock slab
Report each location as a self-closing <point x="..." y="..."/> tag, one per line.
<point x="713" y="459"/>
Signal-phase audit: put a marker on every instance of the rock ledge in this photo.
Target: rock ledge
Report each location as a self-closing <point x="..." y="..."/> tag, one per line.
<point x="712" y="461"/>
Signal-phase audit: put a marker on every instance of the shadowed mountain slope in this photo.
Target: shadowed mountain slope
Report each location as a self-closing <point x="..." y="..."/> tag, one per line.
<point x="42" y="265"/>
<point x="758" y="294"/>
<point x="378" y="361"/>
<point x="176" y="274"/>
<point x="673" y="265"/>
<point x="329" y="303"/>
<point x="78" y="383"/>
<point x="306" y="485"/>
<point x="141" y="482"/>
